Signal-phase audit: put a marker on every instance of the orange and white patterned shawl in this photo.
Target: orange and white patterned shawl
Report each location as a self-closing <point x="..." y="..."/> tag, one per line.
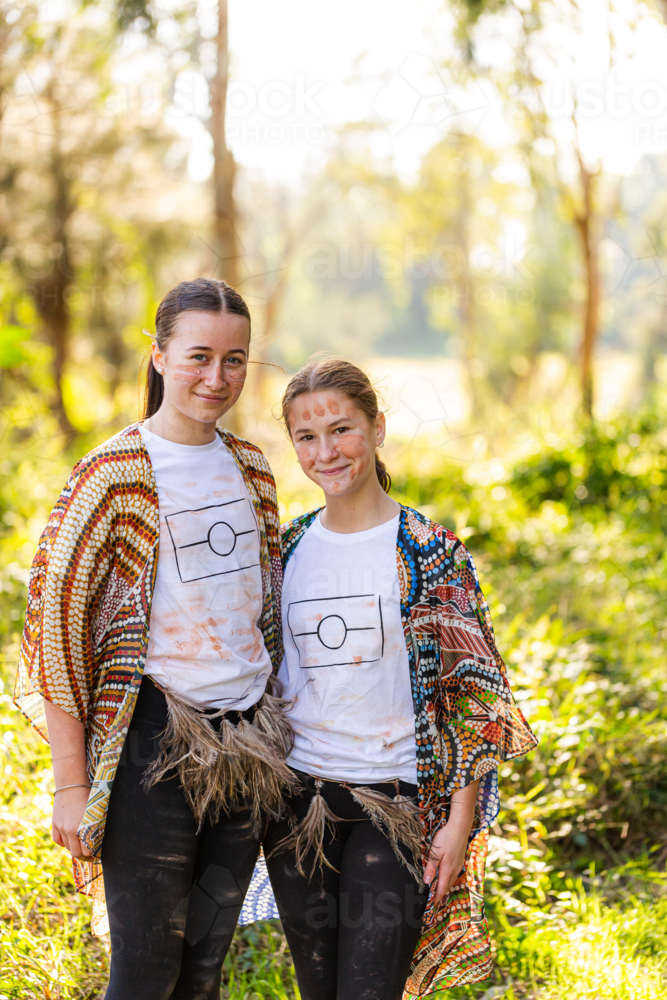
<point x="86" y="629"/>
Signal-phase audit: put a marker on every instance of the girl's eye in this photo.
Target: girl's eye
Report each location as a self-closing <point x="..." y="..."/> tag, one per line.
<point x="341" y="430"/>
<point x="200" y="357"/>
<point x="236" y="361"/>
<point x="306" y="437"/>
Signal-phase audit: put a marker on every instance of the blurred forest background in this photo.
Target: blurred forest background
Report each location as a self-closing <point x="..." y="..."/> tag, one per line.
<point x="486" y="231"/>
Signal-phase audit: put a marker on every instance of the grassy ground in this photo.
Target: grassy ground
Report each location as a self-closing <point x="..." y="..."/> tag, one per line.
<point x="570" y="548"/>
<point x="555" y="933"/>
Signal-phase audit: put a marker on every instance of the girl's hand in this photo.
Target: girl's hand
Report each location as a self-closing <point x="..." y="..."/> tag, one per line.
<point x="68" y="809"/>
<point x="446" y="857"/>
<point x="448" y="847"/>
<point x="68" y="751"/>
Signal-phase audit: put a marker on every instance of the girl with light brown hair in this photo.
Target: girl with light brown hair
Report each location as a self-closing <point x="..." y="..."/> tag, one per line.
<point x="401" y="712"/>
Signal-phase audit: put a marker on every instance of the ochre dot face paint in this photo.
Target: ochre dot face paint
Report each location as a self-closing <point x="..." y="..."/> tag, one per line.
<point x="334" y="441"/>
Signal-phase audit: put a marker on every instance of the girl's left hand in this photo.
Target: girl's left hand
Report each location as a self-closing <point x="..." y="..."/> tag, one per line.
<point x="446" y="857"/>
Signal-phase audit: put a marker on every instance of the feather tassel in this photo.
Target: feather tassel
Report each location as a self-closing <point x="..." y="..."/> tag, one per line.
<point x="398" y="818"/>
<point x="309" y="833"/>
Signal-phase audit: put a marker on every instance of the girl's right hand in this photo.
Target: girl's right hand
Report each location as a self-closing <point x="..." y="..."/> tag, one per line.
<point x="68" y="809"/>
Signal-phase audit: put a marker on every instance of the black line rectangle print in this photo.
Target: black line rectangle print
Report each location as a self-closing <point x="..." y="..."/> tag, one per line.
<point x="214" y="540"/>
<point x="337" y="631"/>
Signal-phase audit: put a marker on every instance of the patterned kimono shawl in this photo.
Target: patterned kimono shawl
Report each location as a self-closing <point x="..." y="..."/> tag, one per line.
<point x="466" y="724"/>
<point x="89" y="599"/>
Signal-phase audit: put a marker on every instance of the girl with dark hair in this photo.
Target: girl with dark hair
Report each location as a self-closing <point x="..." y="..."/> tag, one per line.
<point x="151" y="635"/>
<point x="401" y="712"/>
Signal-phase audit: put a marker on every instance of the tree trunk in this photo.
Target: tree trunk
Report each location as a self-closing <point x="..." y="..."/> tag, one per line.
<point x="588" y="231"/>
<point x="50" y="292"/>
<point x="224" y="169"/>
<point x="464" y="280"/>
<point x="226" y="245"/>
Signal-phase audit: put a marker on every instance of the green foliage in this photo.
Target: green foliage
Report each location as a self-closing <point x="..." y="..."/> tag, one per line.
<point x="129" y="11"/>
<point x="46" y="949"/>
<point x="12" y="351"/>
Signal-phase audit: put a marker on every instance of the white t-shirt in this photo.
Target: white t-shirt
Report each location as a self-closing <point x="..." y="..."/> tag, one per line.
<point x="346" y="664"/>
<point x="205" y="643"/>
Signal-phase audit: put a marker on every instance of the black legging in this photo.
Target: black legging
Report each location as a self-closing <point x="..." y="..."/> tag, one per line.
<point x="352" y="932"/>
<point x="173" y="895"/>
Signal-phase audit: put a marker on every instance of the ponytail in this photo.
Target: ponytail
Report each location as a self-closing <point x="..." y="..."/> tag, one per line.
<point x="154" y="390"/>
<point x="383" y="474"/>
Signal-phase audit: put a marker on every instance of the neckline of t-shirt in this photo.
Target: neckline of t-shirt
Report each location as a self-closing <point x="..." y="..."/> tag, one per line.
<point x="182" y="449"/>
<point x="354" y="537"/>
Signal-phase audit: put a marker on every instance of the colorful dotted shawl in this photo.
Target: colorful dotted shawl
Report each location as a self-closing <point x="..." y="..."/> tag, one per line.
<point x="466" y="724"/>
<point x="89" y="598"/>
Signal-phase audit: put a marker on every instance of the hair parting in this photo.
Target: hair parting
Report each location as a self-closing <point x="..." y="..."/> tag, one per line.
<point x="200" y="294"/>
<point x="337" y="374"/>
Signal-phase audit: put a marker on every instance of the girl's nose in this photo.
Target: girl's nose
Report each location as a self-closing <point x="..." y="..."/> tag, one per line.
<point x="215" y="377"/>
<point x="327" y="450"/>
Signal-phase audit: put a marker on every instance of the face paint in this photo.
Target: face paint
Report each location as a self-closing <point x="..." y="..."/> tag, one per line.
<point x="319" y="410"/>
<point x="235" y="375"/>
<point x="187" y="373"/>
<point x="305" y="415"/>
<point x="333" y="407"/>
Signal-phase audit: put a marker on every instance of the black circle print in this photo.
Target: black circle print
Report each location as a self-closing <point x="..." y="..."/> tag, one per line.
<point x="221" y="538"/>
<point x="216" y="540"/>
<point x="345" y="630"/>
<point x="332" y="631"/>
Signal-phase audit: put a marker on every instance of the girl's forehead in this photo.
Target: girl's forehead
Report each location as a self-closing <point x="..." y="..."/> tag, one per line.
<point x="332" y="400"/>
<point x="217" y="331"/>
